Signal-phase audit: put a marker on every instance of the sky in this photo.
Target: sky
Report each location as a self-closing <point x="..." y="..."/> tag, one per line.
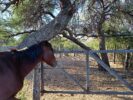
<point x="123" y="1"/>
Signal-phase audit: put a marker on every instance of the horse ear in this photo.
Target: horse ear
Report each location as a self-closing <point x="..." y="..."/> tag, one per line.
<point x="44" y="43"/>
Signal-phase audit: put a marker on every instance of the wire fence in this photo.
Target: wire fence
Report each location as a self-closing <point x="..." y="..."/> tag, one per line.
<point x="77" y="72"/>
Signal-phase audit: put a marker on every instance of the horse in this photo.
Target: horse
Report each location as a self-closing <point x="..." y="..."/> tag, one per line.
<point x="16" y="64"/>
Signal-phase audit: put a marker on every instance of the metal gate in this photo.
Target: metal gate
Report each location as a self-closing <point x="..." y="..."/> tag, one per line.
<point x="88" y="73"/>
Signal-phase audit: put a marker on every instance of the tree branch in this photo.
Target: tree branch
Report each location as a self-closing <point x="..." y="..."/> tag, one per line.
<point x="49" y="13"/>
<point x="20" y="33"/>
<point x="110" y="4"/>
<point x="109" y="36"/>
<point x="76" y="41"/>
<point x="53" y="28"/>
<point x="83" y="46"/>
<point x="71" y="34"/>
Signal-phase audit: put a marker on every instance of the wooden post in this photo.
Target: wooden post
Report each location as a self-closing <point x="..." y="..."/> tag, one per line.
<point x="36" y="83"/>
<point x="87" y="72"/>
<point x="42" y="78"/>
<point x="114" y="56"/>
<point x="60" y="50"/>
<point x="127" y="60"/>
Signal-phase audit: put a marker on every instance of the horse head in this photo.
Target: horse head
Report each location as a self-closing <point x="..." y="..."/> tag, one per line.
<point x="48" y="54"/>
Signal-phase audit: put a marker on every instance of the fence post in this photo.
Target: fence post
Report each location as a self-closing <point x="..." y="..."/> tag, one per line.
<point x="42" y="78"/>
<point x="127" y="60"/>
<point x="36" y="83"/>
<point x="87" y="71"/>
<point x="114" y="56"/>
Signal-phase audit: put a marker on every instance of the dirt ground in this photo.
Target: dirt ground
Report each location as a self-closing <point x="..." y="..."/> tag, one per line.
<point x="56" y="80"/>
<point x="86" y="97"/>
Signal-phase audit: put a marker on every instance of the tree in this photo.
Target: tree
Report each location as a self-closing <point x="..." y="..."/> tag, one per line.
<point x="45" y="19"/>
<point x="101" y="12"/>
<point x="56" y="25"/>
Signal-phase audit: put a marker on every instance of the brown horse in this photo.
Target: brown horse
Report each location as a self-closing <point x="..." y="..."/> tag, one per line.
<point x="15" y="65"/>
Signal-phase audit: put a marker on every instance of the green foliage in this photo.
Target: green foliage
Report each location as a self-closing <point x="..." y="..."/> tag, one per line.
<point x="30" y="13"/>
<point x="62" y="43"/>
<point x="121" y="42"/>
<point x="93" y="44"/>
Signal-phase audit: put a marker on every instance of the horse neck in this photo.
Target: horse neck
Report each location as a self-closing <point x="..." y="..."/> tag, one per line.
<point x="28" y="67"/>
<point x="27" y="62"/>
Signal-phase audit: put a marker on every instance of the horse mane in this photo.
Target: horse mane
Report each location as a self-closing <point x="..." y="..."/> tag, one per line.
<point x="32" y="52"/>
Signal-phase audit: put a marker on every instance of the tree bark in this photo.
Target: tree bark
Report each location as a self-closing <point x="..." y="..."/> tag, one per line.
<point x="50" y="30"/>
<point x="127" y="60"/>
<point x="104" y="56"/>
<point x="100" y="32"/>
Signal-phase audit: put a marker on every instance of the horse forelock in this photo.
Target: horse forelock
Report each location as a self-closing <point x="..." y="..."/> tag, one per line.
<point x="47" y="44"/>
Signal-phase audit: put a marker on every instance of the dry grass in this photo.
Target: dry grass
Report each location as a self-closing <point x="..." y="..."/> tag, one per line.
<point x="26" y="92"/>
<point x="56" y="80"/>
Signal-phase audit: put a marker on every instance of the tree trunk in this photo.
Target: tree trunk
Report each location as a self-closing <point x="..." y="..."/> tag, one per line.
<point x="127" y="60"/>
<point x="100" y="31"/>
<point x="104" y="56"/>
